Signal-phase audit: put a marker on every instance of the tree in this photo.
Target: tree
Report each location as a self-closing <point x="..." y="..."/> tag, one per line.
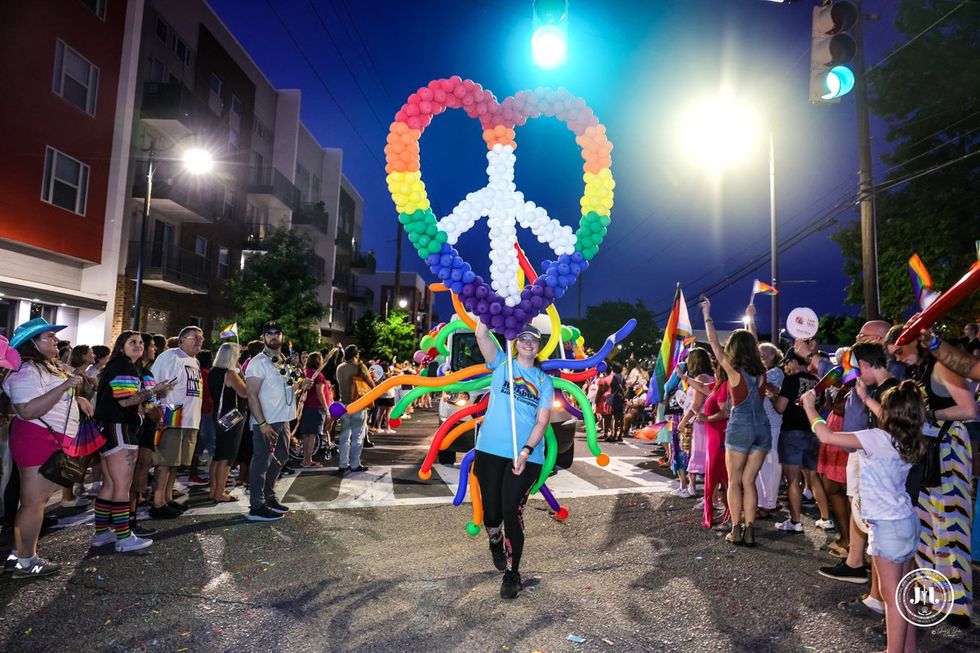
<point x="396" y="337"/>
<point x="279" y="284"/>
<point x="366" y="332"/>
<point x="839" y="329"/>
<point x="608" y="317"/>
<point x="934" y="126"/>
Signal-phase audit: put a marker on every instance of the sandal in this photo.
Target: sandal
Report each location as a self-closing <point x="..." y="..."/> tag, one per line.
<point x="226" y="499"/>
<point x="736" y="536"/>
<point x="748" y="536"/>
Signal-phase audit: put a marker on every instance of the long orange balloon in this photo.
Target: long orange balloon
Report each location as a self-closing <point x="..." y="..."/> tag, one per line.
<point x="424" y="381"/>
<point x="459" y="430"/>
<point x="476" y="499"/>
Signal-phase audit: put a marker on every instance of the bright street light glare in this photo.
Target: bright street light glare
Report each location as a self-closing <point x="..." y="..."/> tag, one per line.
<point x="720" y="131"/>
<point x="402" y="303"/>
<point x="198" y="161"/>
<point x="548" y="47"/>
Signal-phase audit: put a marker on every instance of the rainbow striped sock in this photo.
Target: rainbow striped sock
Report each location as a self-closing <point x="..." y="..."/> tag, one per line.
<point x="120" y="519"/>
<point x="103" y="515"/>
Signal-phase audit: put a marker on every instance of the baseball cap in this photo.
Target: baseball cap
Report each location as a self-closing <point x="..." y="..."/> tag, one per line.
<point x="529" y="330"/>
<point x="271" y="325"/>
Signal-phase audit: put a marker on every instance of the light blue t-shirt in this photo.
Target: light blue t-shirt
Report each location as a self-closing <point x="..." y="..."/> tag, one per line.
<point x="534" y="392"/>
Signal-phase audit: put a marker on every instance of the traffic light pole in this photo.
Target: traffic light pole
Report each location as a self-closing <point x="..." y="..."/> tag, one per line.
<point x="869" y="245"/>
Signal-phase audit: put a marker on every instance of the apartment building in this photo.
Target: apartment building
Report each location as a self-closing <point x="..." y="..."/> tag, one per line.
<point x="70" y="70"/>
<point x="197" y="87"/>
<point x="376" y="292"/>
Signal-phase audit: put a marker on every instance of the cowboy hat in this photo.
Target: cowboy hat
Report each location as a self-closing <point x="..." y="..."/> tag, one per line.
<point x="32" y="329"/>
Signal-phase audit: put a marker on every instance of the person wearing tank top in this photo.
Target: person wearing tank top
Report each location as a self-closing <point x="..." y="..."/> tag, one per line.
<point x="748" y="438"/>
<point x="945" y="510"/>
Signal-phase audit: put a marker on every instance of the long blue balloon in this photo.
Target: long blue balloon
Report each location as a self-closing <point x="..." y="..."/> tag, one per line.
<point x="595" y="359"/>
<point x="464" y="476"/>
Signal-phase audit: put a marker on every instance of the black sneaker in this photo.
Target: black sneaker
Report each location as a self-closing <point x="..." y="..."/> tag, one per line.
<point x="511" y="585"/>
<point x="287" y="471"/>
<point x="841" y="571"/>
<point x="179" y="507"/>
<point x="139" y="530"/>
<point x="272" y="504"/>
<point x="499" y="555"/>
<point x="9" y="563"/>
<point x="164" y="512"/>
<point x="36" y="568"/>
<point x="359" y="468"/>
<point x="263" y="514"/>
<point x="368" y="444"/>
<point x="342" y="470"/>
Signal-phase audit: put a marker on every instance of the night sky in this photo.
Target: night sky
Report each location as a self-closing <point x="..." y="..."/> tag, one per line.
<point x="638" y="64"/>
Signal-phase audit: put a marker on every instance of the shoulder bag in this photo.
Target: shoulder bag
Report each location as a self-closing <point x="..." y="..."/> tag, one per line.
<point x="932" y="464"/>
<point x="228" y="420"/>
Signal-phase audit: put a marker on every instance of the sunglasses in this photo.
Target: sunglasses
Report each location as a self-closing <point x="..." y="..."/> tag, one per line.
<point x="527" y="339"/>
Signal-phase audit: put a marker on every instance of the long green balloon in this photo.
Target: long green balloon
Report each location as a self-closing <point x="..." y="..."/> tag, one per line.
<point x="550" y="458"/>
<point x="587" y="415"/>
<point x="461" y="386"/>
<point x="443" y="335"/>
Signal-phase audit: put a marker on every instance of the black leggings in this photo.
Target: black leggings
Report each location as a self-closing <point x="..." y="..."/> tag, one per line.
<point x="504" y="495"/>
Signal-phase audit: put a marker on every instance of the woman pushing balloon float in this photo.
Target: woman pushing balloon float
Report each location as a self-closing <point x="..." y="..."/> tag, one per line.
<point x="515" y="448"/>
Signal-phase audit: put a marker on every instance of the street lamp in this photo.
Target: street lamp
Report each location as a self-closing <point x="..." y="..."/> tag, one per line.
<point x="402" y="303"/>
<point x="197" y="161"/>
<point x="721" y="132"/>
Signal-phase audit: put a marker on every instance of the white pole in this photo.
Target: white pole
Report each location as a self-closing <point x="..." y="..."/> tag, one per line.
<point x="513" y="406"/>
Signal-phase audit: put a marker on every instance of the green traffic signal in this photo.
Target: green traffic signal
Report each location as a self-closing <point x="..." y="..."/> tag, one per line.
<point x="838" y="82"/>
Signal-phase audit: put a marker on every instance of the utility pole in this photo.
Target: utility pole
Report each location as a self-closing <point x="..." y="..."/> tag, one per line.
<point x="869" y="245"/>
<point x="773" y="242"/>
<point x="396" y="291"/>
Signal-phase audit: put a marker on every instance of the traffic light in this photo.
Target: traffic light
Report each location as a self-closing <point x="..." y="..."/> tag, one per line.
<point x="832" y="48"/>
<point x="549" y="41"/>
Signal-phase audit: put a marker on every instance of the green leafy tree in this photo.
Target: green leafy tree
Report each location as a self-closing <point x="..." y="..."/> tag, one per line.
<point x="278" y="284"/>
<point x="396" y="337"/>
<point x="608" y="317"/>
<point x="366" y="332"/>
<point x="839" y="329"/>
<point x="928" y="201"/>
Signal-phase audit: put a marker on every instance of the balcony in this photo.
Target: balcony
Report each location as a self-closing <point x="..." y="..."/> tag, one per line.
<point x="364" y="262"/>
<point x="313" y="215"/>
<point x="174" y="111"/>
<point x="171" y="268"/>
<point x="318" y="267"/>
<point x="361" y="295"/>
<point x="271" y="189"/>
<point x="180" y="196"/>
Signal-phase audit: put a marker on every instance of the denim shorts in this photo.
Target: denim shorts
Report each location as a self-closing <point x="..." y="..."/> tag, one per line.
<point x="798" y="448"/>
<point x="743" y="436"/>
<point x="894" y="539"/>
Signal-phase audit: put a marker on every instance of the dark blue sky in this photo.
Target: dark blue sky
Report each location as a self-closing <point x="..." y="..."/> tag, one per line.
<point x="637" y="63"/>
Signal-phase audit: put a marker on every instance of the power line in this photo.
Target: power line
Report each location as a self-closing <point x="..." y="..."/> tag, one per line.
<point x="914" y="38"/>
<point x="367" y="51"/>
<point x="333" y="98"/>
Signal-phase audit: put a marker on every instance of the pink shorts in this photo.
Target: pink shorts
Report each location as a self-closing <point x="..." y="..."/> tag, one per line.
<point x="31" y="445"/>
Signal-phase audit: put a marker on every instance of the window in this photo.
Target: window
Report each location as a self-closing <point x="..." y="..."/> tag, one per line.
<point x="214" y="93"/>
<point x="163" y="31"/>
<point x="49" y="313"/>
<point x="158" y="70"/>
<point x="97" y="6"/>
<point x="261" y="130"/>
<point x="75" y="79"/>
<point x="194" y="320"/>
<point x="224" y="256"/>
<point x="202" y="246"/>
<point x="181" y="50"/>
<point x="65" y="181"/>
<point x="236" y="106"/>
<point x="157" y="320"/>
<point x="233" y="137"/>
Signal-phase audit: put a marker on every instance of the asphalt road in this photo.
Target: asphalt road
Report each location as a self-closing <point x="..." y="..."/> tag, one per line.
<point x="630" y="571"/>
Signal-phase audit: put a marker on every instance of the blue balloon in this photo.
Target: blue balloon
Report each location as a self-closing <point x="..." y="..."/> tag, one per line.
<point x="468" y="276"/>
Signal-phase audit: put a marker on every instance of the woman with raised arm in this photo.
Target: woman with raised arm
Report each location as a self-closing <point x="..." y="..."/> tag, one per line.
<point x="506" y="475"/>
<point x="747" y="435"/>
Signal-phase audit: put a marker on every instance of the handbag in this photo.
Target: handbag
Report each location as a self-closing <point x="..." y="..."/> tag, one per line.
<point x="358" y="388"/>
<point x="932" y="469"/>
<point x="228" y="420"/>
<point x="60" y="468"/>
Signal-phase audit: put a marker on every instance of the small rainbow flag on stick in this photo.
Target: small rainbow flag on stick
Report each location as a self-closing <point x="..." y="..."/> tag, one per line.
<point x="921" y="283"/>
<point x="759" y="288"/>
<point x="230" y="331"/>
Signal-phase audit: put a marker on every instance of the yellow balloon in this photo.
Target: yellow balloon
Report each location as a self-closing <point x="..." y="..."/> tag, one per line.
<point x="555" y="336"/>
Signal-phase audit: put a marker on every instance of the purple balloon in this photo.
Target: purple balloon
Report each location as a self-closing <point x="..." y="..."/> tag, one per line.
<point x="337" y="410"/>
<point x="495" y="308"/>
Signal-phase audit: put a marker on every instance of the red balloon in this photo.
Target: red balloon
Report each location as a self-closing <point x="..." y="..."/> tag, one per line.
<point x="394" y="422"/>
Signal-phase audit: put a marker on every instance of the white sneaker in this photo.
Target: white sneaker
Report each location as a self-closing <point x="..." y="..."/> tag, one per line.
<point x="132" y="543"/>
<point x="826" y="524"/>
<point x="789" y="526"/>
<point x="679" y="492"/>
<point x="699" y="504"/>
<point x="807" y="494"/>
<point x="390" y="431"/>
<point x="102" y="539"/>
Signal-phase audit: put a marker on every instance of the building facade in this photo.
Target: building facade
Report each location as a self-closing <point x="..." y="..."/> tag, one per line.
<point x="108" y="90"/>
<point x="376" y="293"/>
<point x="72" y="66"/>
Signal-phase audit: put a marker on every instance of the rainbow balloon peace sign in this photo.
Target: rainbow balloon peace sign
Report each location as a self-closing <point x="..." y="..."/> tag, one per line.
<point x="502" y="304"/>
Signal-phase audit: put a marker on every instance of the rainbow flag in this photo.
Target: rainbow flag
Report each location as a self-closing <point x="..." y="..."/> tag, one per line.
<point x="833" y="378"/>
<point x="922" y="284"/>
<point x="678" y="328"/>
<point x="759" y="288"/>
<point x="230" y="331"/>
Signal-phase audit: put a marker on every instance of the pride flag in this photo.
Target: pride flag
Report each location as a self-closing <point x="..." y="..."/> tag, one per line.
<point x="759" y="288"/>
<point x="921" y="283"/>
<point x="678" y="328"/>
<point x="230" y="331"/>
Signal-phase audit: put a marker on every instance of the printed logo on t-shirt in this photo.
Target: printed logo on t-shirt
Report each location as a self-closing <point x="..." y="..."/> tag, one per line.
<point x="193" y="381"/>
<point x="525" y="391"/>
